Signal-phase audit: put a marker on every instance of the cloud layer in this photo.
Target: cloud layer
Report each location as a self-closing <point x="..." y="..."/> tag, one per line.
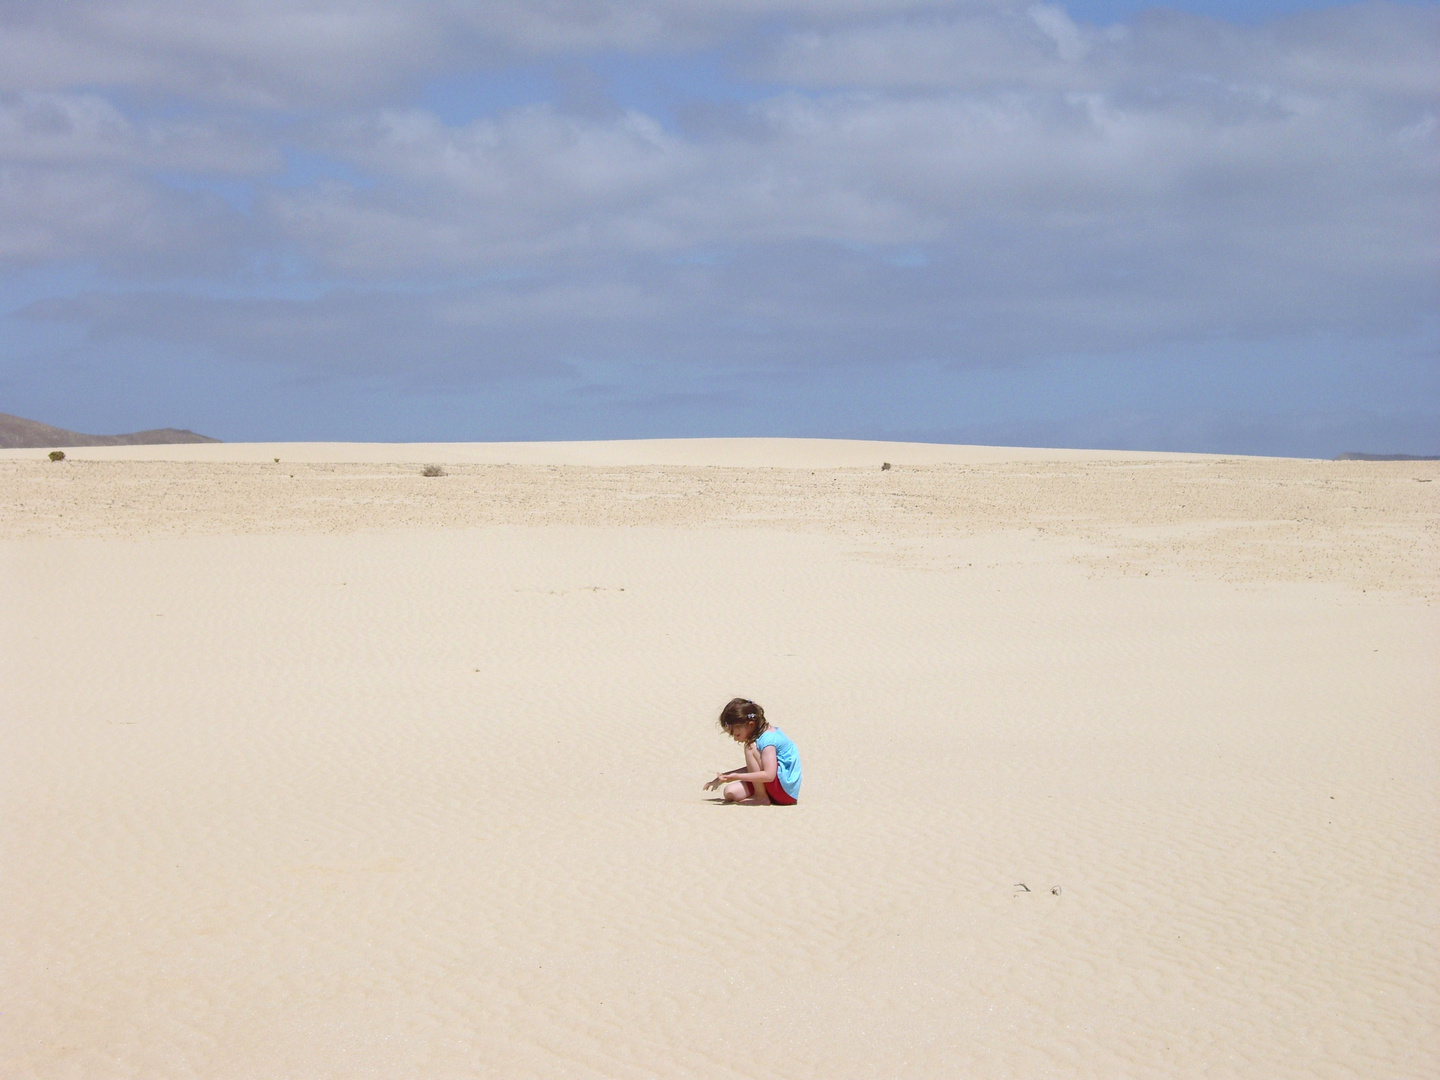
<point x="864" y="183"/>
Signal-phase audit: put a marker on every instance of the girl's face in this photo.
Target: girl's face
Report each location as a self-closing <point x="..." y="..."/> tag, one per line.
<point x="741" y="732"/>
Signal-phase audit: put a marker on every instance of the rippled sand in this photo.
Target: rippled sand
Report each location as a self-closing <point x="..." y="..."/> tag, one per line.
<point x="1115" y="765"/>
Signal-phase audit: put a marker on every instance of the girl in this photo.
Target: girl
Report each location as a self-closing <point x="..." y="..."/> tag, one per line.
<point x="771" y="775"/>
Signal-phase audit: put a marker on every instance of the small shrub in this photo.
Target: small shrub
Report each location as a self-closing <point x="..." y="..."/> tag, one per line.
<point x="432" y="470"/>
<point x="884" y="466"/>
<point x="57" y="455"/>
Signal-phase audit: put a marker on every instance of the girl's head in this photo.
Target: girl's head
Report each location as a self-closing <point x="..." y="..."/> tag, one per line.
<point x="743" y="720"/>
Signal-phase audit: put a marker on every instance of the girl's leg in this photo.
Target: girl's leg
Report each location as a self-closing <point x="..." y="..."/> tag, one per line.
<point x="739" y="791"/>
<point x="759" y="796"/>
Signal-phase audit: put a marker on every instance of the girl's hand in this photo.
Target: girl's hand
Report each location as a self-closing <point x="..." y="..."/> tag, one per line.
<point x="717" y="782"/>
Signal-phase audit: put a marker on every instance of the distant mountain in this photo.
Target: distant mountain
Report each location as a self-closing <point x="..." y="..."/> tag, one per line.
<point x="1355" y="455"/>
<point x="18" y="433"/>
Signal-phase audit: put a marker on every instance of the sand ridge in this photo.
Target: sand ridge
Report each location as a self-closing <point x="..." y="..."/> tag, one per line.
<point x="1373" y="525"/>
<point x="724" y="453"/>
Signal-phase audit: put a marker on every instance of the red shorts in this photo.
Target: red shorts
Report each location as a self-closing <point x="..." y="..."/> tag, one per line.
<point x="777" y="794"/>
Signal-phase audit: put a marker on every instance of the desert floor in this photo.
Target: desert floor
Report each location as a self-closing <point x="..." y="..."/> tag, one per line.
<point x="1116" y="765"/>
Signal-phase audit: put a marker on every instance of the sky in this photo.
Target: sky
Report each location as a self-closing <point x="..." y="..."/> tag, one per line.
<point x="1204" y="226"/>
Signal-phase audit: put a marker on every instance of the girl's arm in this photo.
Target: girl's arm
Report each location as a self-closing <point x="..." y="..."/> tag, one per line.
<point x="767" y="769"/>
<point x="722" y="778"/>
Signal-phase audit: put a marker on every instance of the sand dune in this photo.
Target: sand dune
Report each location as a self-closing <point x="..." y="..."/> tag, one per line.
<point x="721" y="453"/>
<point x="328" y="769"/>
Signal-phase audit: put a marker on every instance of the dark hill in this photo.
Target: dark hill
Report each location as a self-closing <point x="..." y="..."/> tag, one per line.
<point x="18" y="433"/>
<point x="1355" y="455"/>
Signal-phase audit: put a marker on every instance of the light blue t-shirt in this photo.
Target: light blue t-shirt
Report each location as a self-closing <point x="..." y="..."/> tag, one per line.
<point x="787" y="760"/>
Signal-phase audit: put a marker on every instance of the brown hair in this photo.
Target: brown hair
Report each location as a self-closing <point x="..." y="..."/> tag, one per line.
<point x="742" y="711"/>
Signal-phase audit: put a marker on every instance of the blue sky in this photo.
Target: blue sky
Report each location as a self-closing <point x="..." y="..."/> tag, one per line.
<point x="1199" y="226"/>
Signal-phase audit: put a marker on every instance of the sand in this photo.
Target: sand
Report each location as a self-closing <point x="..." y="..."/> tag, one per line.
<point x="1115" y="764"/>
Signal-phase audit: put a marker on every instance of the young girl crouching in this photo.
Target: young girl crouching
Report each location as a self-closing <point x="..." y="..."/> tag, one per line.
<point x="771" y="775"/>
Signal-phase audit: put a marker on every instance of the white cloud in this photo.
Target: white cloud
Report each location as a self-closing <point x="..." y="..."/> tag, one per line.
<point x="1245" y="210"/>
<point x="80" y="181"/>
<point x="47" y="128"/>
<point x="967" y="182"/>
<point x="260" y="53"/>
<point x="130" y="228"/>
<point x="285" y="53"/>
